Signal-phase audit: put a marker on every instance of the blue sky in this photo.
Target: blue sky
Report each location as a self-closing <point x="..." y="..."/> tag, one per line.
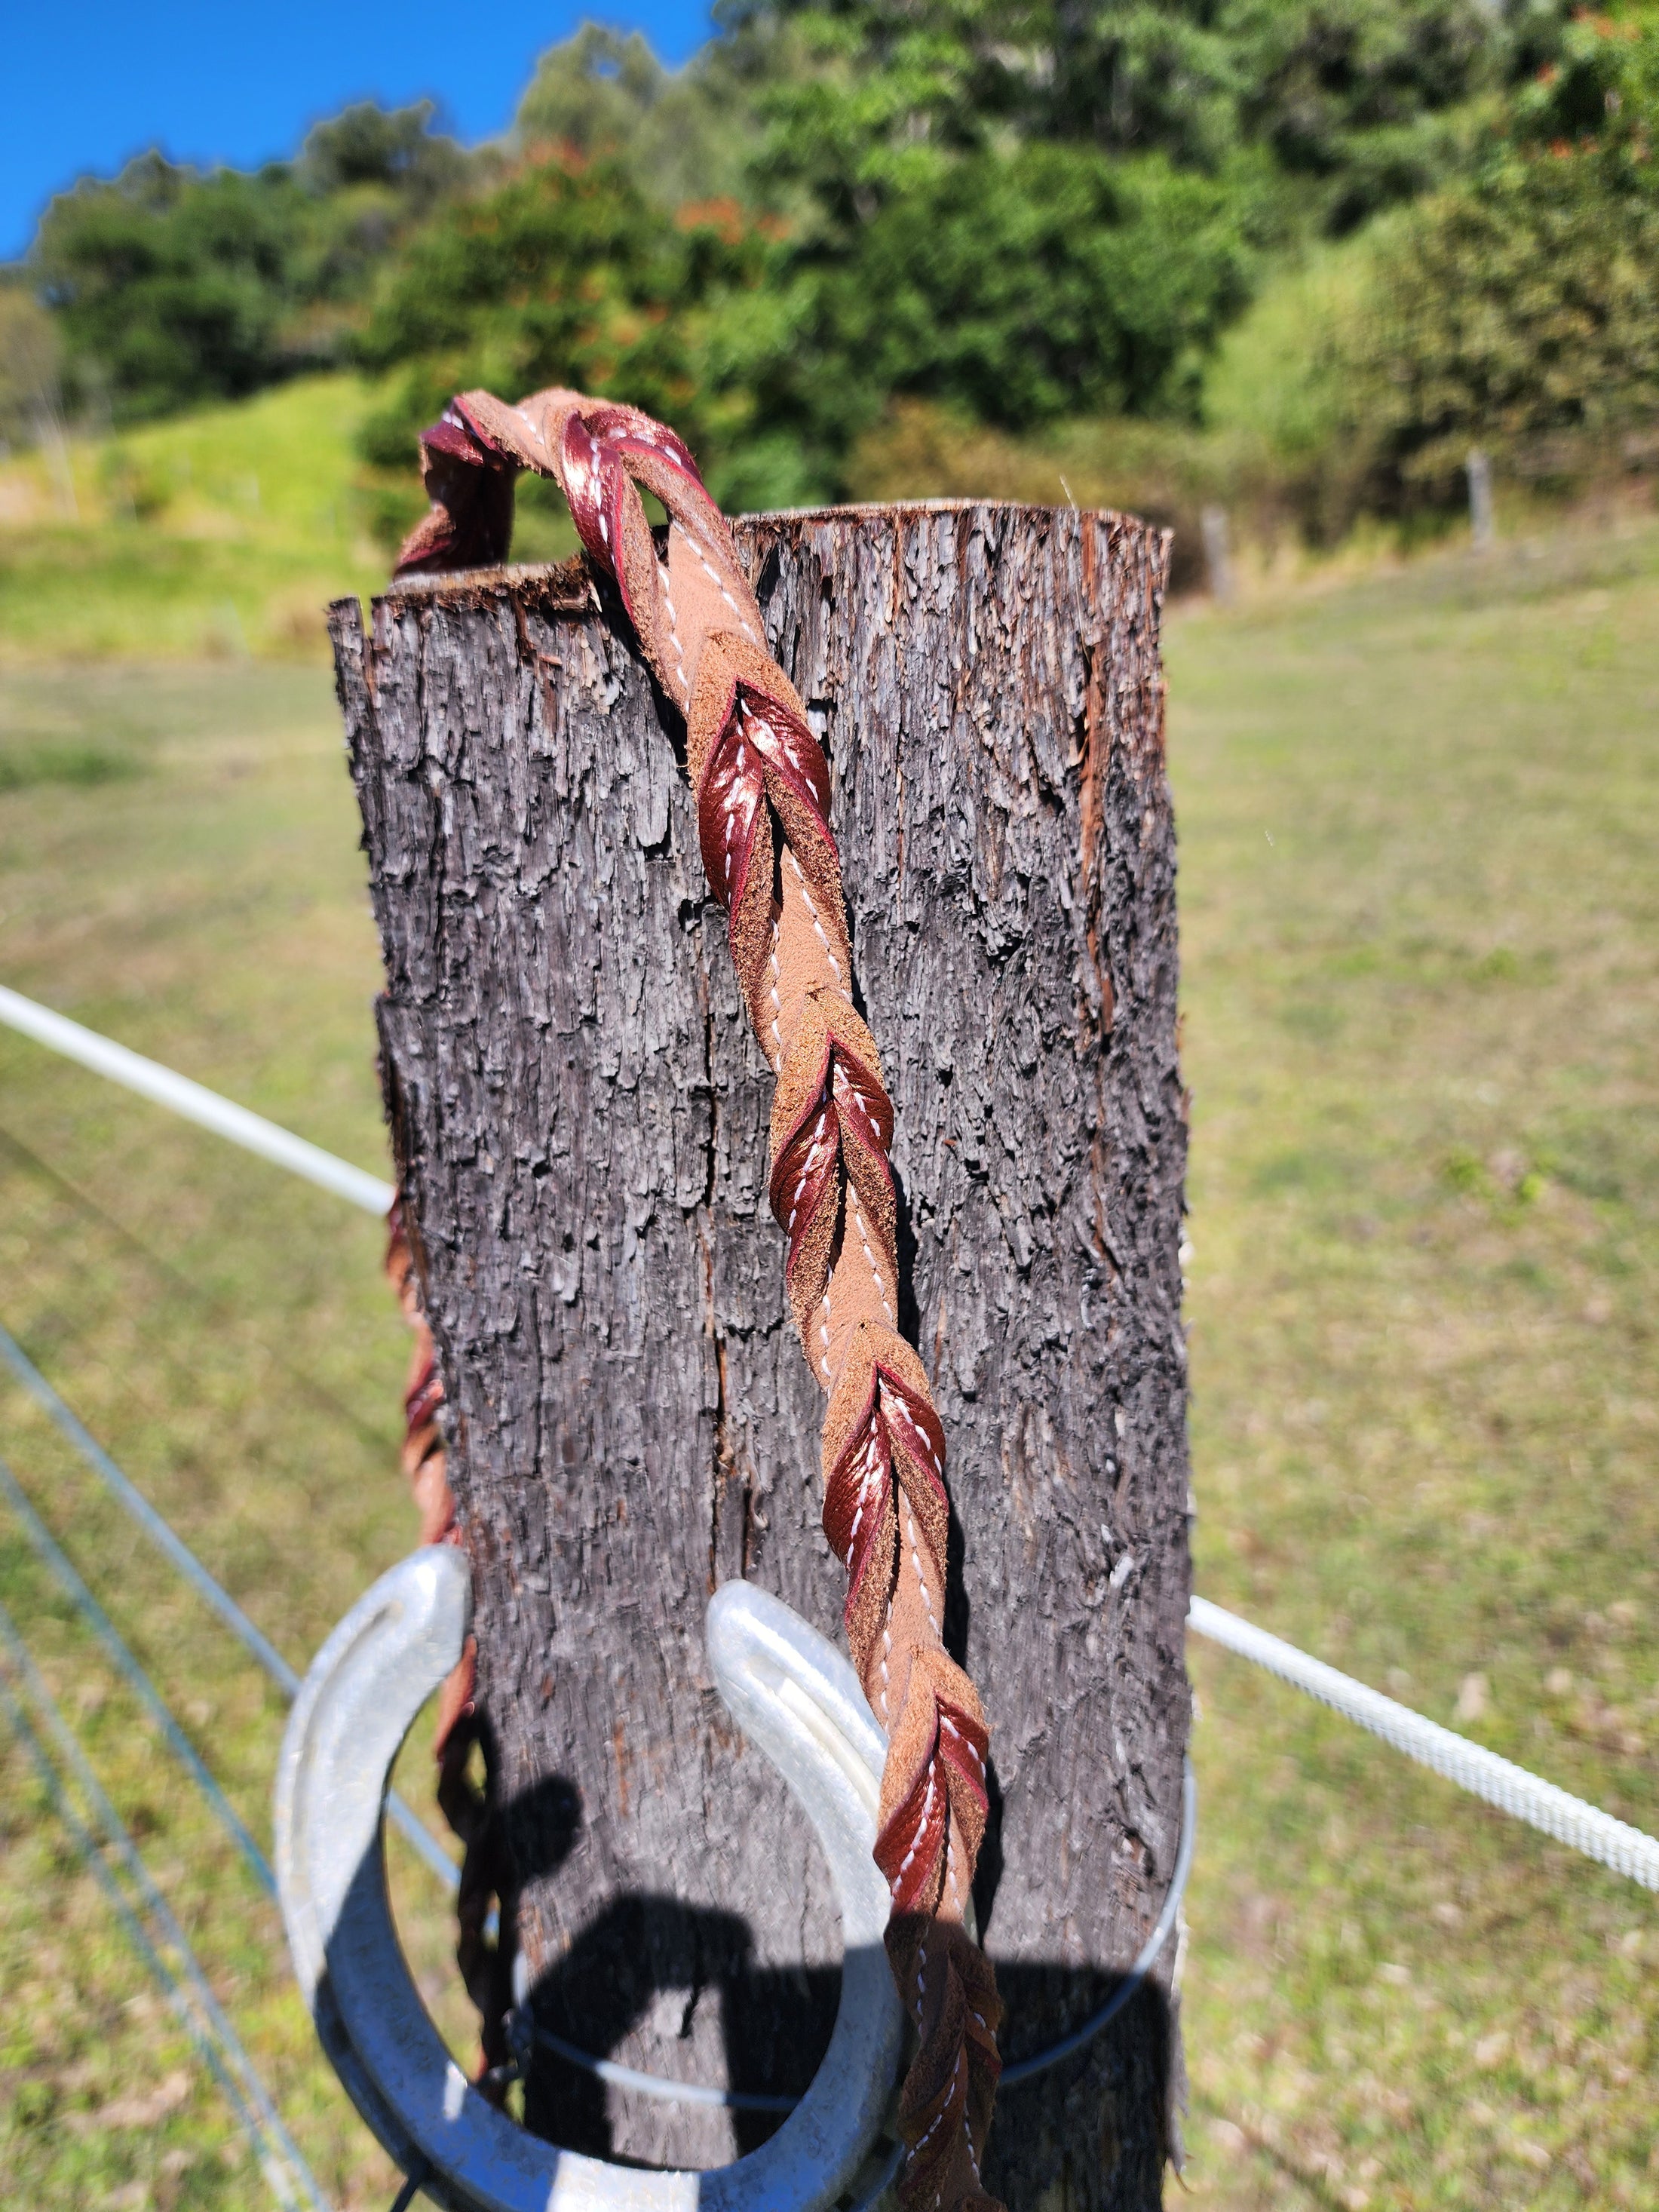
<point x="238" y="83"/>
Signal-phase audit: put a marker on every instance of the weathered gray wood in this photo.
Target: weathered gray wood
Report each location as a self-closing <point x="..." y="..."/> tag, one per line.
<point x="579" y="1116"/>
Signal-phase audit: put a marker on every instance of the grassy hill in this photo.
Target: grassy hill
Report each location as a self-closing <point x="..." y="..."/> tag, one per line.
<point x="219" y="535"/>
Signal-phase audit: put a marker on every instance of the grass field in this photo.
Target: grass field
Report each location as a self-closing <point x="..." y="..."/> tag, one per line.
<point x="1421" y="965"/>
<point x="1421" y="913"/>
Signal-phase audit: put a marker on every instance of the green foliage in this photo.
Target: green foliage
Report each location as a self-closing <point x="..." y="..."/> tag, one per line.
<point x="1516" y="309"/>
<point x="1355" y="103"/>
<point x="1519" y="310"/>
<point x="172" y="286"/>
<point x="1029" y="213"/>
<point x="1277" y="377"/>
<point x="173" y="283"/>
<point x="393" y="148"/>
<point x="685" y="134"/>
<point x="1139" y="76"/>
<point x="1362" y="98"/>
<point x="1019" y="287"/>
<point x="1520" y="314"/>
<point x="1600" y="92"/>
<point x="563" y="274"/>
<point x="1288" y="440"/>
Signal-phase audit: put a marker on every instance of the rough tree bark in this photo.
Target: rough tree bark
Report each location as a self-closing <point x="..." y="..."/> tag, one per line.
<point x="579" y="1116"/>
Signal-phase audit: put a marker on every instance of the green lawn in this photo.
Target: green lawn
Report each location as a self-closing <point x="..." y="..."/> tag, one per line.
<point x="1420" y="904"/>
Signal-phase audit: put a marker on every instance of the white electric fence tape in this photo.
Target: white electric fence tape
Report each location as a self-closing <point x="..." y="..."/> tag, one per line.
<point x="1627" y="1850"/>
<point x="194" y="1101"/>
<point x="1553" y="1812"/>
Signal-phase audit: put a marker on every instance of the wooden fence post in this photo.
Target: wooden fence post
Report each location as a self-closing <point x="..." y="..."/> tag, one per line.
<point x="579" y="1115"/>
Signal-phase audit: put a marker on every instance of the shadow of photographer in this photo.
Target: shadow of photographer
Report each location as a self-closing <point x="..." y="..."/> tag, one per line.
<point x="1068" y="2124"/>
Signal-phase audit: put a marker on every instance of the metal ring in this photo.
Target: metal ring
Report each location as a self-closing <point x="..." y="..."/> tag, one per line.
<point x="1028" y="2069"/>
<point x="798" y="1703"/>
<point x="663" y="2087"/>
<point x="672" y="2092"/>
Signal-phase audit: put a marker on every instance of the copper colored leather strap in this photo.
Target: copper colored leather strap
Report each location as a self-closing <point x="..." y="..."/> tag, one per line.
<point x="762" y="786"/>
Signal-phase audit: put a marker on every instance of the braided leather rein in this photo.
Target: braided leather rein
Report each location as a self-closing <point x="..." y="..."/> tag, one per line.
<point x="763" y="795"/>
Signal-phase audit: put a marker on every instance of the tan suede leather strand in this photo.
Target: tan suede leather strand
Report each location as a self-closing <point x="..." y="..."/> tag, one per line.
<point x="762" y="793"/>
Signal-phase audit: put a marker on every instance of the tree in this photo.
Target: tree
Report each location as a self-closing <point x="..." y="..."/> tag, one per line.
<point x="1519" y="310"/>
<point x="1367" y="102"/>
<point x="394" y="147"/>
<point x="563" y="274"/>
<point x="173" y="286"/>
<point x="685" y="135"/>
<point x="1523" y="319"/>
<point x="1354" y="103"/>
<point x="1019" y="287"/>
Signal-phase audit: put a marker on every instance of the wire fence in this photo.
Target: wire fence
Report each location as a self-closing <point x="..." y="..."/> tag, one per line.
<point x="1483" y="1773"/>
<point x="151" y="1923"/>
<point x="167" y="1539"/>
<point x="51" y="1554"/>
<point x="194" y="1101"/>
